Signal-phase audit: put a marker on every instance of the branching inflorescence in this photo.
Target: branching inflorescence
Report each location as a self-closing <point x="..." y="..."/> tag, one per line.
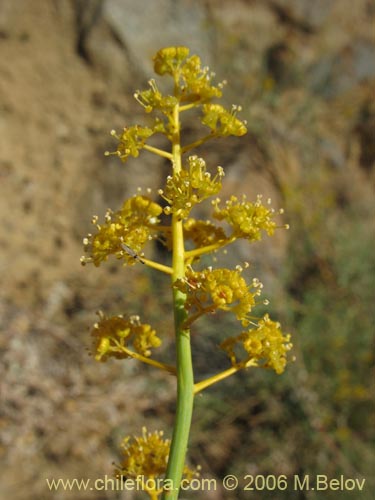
<point x="196" y="292"/>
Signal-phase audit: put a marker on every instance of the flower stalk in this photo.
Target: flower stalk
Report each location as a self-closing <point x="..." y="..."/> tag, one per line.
<point x="196" y="291"/>
<point x="200" y="386"/>
<point x="185" y="379"/>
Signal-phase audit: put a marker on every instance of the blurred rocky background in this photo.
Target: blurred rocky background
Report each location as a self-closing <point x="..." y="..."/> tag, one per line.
<point x="304" y="74"/>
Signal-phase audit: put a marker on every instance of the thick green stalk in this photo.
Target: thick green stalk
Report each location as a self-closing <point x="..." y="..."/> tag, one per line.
<point x="185" y="379"/>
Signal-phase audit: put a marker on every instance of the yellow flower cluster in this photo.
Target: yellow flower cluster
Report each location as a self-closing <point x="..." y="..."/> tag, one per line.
<point x="131" y="140"/>
<point x="114" y="333"/>
<point x="203" y="233"/>
<point x="147" y="456"/>
<point x="192" y="87"/>
<point x="124" y="233"/>
<point x="193" y="83"/>
<point x="246" y="219"/>
<point x="190" y="186"/>
<point x="213" y="289"/>
<point x="169" y="60"/>
<point x="152" y="99"/>
<point x="265" y="344"/>
<point x="196" y="82"/>
<point x="222" y="122"/>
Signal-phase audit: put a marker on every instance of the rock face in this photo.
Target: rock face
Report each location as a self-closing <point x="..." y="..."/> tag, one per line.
<point x="302" y="71"/>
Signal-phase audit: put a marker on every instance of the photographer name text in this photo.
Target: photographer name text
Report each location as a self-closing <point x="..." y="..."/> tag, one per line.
<point x="306" y="482"/>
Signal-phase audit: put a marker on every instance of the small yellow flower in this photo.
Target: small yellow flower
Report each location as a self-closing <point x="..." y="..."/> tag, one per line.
<point x="112" y="333"/>
<point x="213" y="289"/>
<point x="265" y="344"/>
<point x="203" y="233"/>
<point x="246" y="219"/>
<point x="144" y="455"/>
<point x="131" y="140"/>
<point x="147" y="456"/>
<point x="169" y="59"/>
<point x="190" y="186"/>
<point x="196" y="82"/>
<point x="222" y="122"/>
<point x="133" y="225"/>
<point x="192" y="82"/>
<point x="152" y="99"/>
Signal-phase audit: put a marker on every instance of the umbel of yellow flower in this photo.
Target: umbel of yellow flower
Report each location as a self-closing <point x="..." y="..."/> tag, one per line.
<point x="222" y="122"/>
<point x="190" y="186"/>
<point x="203" y="233"/>
<point x="265" y="344"/>
<point x="146" y="456"/>
<point x="131" y="140"/>
<point x="133" y="225"/>
<point x="192" y="88"/>
<point x="246" y="219"/>
<point x="112" y="335"/>
<point x="169" y="60"/>
<point x="213" y="289"/>
<point x="192" y="81"/>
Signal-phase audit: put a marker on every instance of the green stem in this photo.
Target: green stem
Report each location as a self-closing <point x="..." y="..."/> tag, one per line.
<point x="185" y="379"/>
<point x="187" y="106"/>
<point x="157" y="151"/>
<point x="197" y="143"/>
